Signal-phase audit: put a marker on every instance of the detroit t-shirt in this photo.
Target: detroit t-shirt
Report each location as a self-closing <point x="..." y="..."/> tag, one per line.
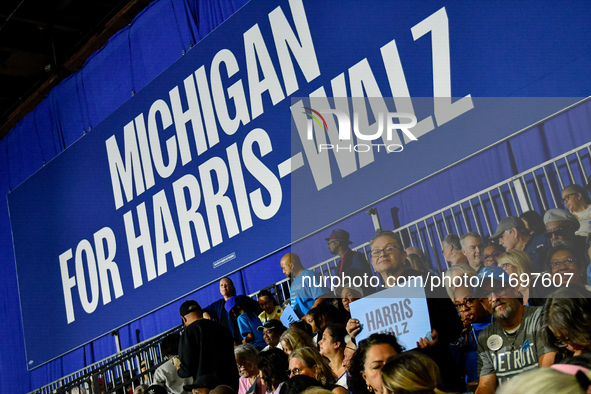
<point x="518" y="352"/>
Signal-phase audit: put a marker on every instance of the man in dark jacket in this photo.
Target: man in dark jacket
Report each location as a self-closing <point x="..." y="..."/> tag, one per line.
<point x="351" y="263"/>
<point x="205" y="348"/>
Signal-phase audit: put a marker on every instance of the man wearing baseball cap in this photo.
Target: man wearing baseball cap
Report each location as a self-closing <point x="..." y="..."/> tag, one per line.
<point x="512" y="234"/>
<point x="513" y="343"/>
<point x="272" y="331"/>
<point x="561" y="226"/>
<point x="351" y="263"/>
<point x="205" y="348"/>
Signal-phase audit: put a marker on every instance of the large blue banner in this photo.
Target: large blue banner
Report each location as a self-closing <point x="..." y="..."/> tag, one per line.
<point x="213" y="165"/>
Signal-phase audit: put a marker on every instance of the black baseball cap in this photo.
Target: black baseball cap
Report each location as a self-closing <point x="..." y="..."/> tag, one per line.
<point x="189" y="306"/>
<point x="272" y="325"/>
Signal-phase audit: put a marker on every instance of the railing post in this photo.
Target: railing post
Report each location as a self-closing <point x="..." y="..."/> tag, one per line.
<point x="375" y="218"/>
<point x="117" y="340"/>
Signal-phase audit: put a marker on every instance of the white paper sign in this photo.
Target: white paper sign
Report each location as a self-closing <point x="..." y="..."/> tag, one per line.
<point x="288" y="316"/>
<point x="399" y="310"/>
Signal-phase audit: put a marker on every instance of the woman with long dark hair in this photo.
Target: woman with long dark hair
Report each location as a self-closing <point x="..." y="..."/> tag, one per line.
<point x="332" y="346"/>
<point x="367" y="363"/>
<point x="272" y="365"/>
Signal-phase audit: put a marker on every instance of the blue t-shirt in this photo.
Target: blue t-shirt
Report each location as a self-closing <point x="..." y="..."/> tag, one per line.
<point x="249" y="322"/>
<point x="467" y="360"/>
<point x="304" y="292"/>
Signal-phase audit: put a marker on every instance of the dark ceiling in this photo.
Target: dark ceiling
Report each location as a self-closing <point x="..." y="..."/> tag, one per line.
<point x="44" y="41"/>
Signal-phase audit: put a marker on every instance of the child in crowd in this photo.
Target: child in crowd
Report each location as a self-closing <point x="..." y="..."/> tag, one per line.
<point x="248" y="322"/>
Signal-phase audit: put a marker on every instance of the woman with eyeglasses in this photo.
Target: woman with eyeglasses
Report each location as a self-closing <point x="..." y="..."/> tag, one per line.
<point x="576" y="200"/>
<point x="566" y="268"/>
<point x="490" y="254"/>
<point x="566" y="320"/>
<point x="332" y="346"/>
<point x="246" y="361"/>
<point x="308" y="361"/>
<point x="517" y="265"/>
<point x="475" y="318"/>
<point x="272" y="365"/>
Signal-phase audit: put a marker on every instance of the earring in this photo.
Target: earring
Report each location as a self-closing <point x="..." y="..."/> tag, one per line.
<point x="369" y="388"/>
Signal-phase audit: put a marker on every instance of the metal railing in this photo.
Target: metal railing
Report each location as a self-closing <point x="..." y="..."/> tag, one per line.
<point x="538" y="188"/>
<point x="129" y="367"/>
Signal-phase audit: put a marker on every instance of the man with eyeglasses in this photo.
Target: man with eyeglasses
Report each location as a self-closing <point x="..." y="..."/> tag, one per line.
<point x="475" y="318"/>
<point x="513" y="343"/>
<point x="561" y="226"/>
<point x="351" y="263"/>
<point x="512" y="234"/>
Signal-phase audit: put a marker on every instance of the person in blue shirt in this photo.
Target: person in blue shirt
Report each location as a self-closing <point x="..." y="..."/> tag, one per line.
<point x="475" y="318"/>
<point x="248" y="322"/>
<point x="216" y="311"/>
<point x="306" y="292"/>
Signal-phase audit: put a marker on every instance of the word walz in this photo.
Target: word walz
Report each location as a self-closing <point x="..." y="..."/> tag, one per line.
<point x="385" y="318"/>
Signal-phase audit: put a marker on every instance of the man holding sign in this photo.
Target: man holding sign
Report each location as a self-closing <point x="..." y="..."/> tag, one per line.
<point x="387" y="259"/>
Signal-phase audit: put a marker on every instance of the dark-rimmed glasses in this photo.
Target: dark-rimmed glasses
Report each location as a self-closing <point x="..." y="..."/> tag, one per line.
<point x="559" y="232"/>
<point x="491" y="256"/>
<point x="468" y="303"/>
<point x="295" y="372"/>
<point x="387" y="250"/>
<point x="558" y="264"/>
<point x="566" y="197"/>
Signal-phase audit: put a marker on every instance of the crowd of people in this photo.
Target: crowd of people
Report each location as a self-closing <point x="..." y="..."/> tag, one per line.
<point x="525" y="328"/>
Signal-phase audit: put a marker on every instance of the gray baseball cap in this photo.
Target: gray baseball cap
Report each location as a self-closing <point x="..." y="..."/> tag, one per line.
<point x="556" y="214"/>
<point x="507" y="224"/>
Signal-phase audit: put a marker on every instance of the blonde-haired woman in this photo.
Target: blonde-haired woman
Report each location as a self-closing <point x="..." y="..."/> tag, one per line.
<point x="518" y="265"/>
<point x="410" y="372"/>
<point x="293" y="339"/>
<point x="308" y="361"/>
<point x="558" y="379"/>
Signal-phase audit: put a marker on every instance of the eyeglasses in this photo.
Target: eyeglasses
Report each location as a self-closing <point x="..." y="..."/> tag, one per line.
<point x="505" y="266"/>
<point x="491" y="256"/>
<point x="293" y="372"/>
<point x="559" y="232"/>
<point x="468" y="303"/>
<point x="387" y="250"/>
<point x="569" y="262"/>
<point x="561" y="343"/>
<point x="566" y="197"/>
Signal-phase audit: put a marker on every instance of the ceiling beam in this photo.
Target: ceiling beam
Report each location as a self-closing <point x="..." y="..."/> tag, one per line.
<point x="119" y="21"/>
